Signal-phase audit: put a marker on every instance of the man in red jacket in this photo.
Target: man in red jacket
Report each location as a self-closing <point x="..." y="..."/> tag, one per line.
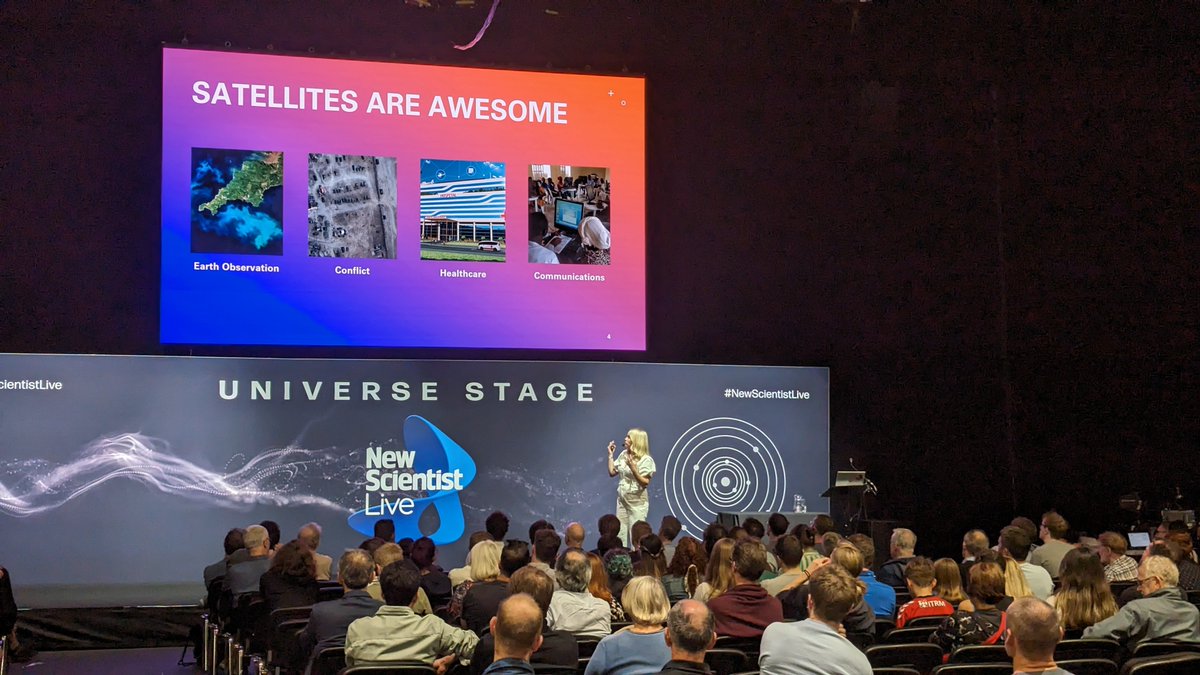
<point x="746" y="609"/>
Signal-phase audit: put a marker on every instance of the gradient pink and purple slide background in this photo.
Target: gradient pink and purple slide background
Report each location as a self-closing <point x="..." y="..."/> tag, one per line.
<point x="404" y="302"/>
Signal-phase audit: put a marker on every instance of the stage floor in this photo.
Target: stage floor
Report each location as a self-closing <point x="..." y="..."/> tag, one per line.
<point x="157" y="661"/>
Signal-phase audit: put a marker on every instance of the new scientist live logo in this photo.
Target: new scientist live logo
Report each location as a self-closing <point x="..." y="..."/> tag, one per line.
<point x="432" y="464"/>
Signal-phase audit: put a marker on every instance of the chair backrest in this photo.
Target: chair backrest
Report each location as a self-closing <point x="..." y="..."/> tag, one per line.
<point x="1175" y="664"/>
<point x="1088" y="666"/>
<point x="921" y="621"/>
<point x="1088" y="648"/>
<point x="902" y="596"/>
<point x="749" y="646"/>
<point x="329" y="661"/>
<point x="903" y="636"/>
<point x="922" y="657"/>
<point x="895" y="670"/>
<point x="581" y="668"/>
<point x="1144" y="649"/>
<point x="980" y="654"/>
<point x="974" y="669"/>
<point x="552" y="669"/>
<point x="391" y="668"/>
<point x="327" y="593"/>
<point x="883" y="626"/>
<point x="860" y="640"/>
<point x="727" y="661"/>
<point x="282" y="614"/>
<point x="618" y="625"/>
<point x="1194" y="597"/>
<point x="587" y="646"/>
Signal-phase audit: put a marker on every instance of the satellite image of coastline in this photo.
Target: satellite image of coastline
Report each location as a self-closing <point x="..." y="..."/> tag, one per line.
<point x="237" y="201"/>
<point x="351" y="206"/>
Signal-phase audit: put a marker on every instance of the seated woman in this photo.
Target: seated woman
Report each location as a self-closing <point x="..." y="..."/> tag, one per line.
<point x="434" y="581"/>
<point x="718" y="577"/>
<point x="652" y="562"/>
<point x="1015" y="585"/>
<point x="986" y="623"/>
<point x="486" y="589"/>
<point x="683" y="574"/>
<point x="1084" y="598"/>
<point x="949" y="581"/>
<point x="640" y="648"/>
<point x="598" y="586"/>
<point x="618" y="563"/>
<point x="291" y="581"/>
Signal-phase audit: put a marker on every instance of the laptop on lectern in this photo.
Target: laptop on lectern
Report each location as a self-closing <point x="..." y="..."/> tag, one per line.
<point x="850" y="479"/>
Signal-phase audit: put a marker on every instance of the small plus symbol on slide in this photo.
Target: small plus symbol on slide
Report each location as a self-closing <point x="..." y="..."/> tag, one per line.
<point x="610" y="92"/>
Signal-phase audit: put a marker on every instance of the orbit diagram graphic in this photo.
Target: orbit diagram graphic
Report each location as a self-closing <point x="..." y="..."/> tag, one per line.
<point x="723" y="464"/>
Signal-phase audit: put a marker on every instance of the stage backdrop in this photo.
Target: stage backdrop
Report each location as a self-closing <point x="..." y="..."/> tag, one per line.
<point x="119" y="475"/>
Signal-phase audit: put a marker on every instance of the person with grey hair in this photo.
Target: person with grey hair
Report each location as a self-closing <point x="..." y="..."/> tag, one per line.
<point x="1162" y="614"/>
<point x="573" y="608"/>
<point x="690" y="634"/>
<point x="1033" y="633"/>
<point x="243" y="577"/>
<point x="901" y="547"/>
<point x="328" y="621"/>
<point x="310" y="534"/>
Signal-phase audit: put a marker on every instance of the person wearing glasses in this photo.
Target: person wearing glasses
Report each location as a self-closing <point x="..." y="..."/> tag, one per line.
<point x="1162" y="613"/>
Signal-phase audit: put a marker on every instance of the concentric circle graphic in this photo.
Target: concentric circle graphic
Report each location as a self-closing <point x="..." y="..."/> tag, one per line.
<point x="723" y="464"/>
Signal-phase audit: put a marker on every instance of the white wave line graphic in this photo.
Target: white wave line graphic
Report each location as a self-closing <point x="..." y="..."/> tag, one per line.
<point x="268" y="478"/>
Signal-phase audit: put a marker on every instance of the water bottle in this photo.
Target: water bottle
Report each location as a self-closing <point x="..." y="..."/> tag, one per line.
<point x="798" y="505"/>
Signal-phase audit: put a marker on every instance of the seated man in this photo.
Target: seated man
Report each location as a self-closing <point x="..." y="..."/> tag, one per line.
<point x="791" y="556"/>
<point x="243" y="578"/>
<point x="903" y="543"/>
<point x="574" y="535"/>
<point x="1054" y="546"/>
<point x="386" y="555"/>
<point x="310" y="534"/>
<point x="328" y="621"/>
<point x="879" y="596"/>
<point x="1014" y="544"/>
<point x="1117" y="565"/>
<point x="517" y="628"/>
<point x="813" y="646"/>
<point x="918" y="574"/>
<point x="1033" y="632"/>
<point x="974" y="543"/>
<point x="397" y="633"/>
<point x="573" y="609"/>
<point x="233" y="543"/>
<point x="558" y="648"/>
<point x="746" y="609"/>
<point x="1162" y="613"/>
<point x="690" y="634"/>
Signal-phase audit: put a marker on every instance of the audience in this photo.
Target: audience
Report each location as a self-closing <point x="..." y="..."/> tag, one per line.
<point x="746" y="609"/>
<point x="234" y="542"/>
<point x="488" y="588"/>
<point x="538" y="526"/>
<point x="901" y="547"/>
<point x="618" y="565"/>
<point x="1117" y="565"/>
<point x="545" y="549"/>
<point x="496" y="525"/>
<point x="690" y="634"/>
<point x="310" y="535"/>
<point x="755" y="530"/>
<point x="1014" y="545"/>
<point x="974" y="543"/>
<point x="328" y="621"/>
<point x="459" y="575"/>
<point x="651" y="561"/>
<point x="396" y="633"/>
<point x="514" y="556"/>
<point x="684" y="570"/>
<point x="373" y="544"/>
<point x="1189" y="571"/>
<point x="920" y="578"/>
<point x="718" y="577"/>
<point x="608" y="534"/>
<point x="574" y="536"/>
<point x="243" y="577"/>
<point x="814" y="646"/>
<point x="860" y="619"/>
<point x="1054" y="546"/>
<point x="598" y="586"/>
<point x="712" y="534"/>
<point x="1084" y="598"/>
<point x="558" y="648"/>
<point x="668" y="529"/>
<point x="637" y="532"/>
<point x="639" y="648"/>
<point x="517" y="631"/>
<point x="274" y="534"/>
<point x="1033" y="633"/>
<point x="291" y="580"/>
<point x="777" y="527"/>
<point x="984" y="622"/>
<point x="1163" y="613"/>
<point x="791" y="554"/>
<point x="573" y="608"/>
<point x="949" y="580"/>
<point x="822" y="525"/>
<point x="385" y="555"/>
<point x="385" y="529"/>
<point x="880" y="596"/>
<point x="808" y="542"/>
<point x="434" y="581"/>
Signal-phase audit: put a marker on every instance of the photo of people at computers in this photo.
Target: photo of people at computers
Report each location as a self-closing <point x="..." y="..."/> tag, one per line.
<point x="569" y="209"/>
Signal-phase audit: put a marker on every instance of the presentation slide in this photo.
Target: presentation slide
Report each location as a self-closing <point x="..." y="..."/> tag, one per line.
<point x="319" y="201"/>
<point x="119" y="475"/>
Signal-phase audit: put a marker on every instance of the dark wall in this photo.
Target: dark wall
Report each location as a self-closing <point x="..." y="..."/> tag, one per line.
<point x="904" y="202"/>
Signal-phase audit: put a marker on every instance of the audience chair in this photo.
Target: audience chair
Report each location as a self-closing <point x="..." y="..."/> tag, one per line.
<point x="883" y="626"/>
<point x="748" y="646"/>
<point x="980" y="654"/>
<point x="618" y="625"/>
<point x="391" y="668"/>
<point x="921" y="622"/>
<point x="550" y="669"/>
<point x="1119" y="587"/>
<point x="1194" y="597"/>
<point x="1091" y="648"/>
<point x="861" y="640"/>
<point x="587" y="646"/>
<point x="904" y="636"/>
<point x="727" y="661"/>
<point x="1144" y="649"/>
<point x="1088" y="666"/>
<point x="326" y="593"/>
<point x="902" y="596"/>
<point x="894" y="670"/>
<point x="973" y="669"/>
<point x="329" y="661"/>
<point x="283" y="644"/>
<point x="582" y="667"/>
<point x="1175" y="664"/>
<point x="922" y="657"/>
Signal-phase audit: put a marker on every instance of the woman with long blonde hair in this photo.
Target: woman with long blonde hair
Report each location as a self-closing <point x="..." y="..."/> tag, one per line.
<point x="949" y="581"/>
<point x="1085" y="598"/>
<point x="635" y="467"/>
<point x="719" y="576"/>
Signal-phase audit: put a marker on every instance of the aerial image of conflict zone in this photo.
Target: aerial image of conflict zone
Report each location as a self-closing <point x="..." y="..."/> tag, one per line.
<point x="237" y="201"/>
<point x="462" y="210"/>
<point x="351" y="206"/>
